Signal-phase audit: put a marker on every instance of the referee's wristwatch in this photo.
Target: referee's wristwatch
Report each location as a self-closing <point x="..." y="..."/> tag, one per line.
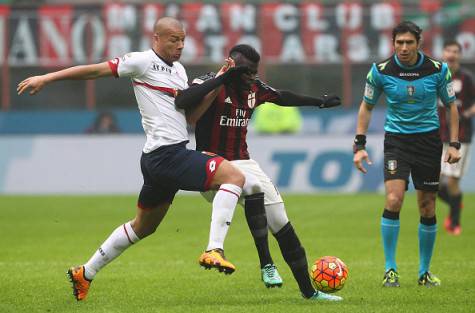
<point x="455" y="144"/>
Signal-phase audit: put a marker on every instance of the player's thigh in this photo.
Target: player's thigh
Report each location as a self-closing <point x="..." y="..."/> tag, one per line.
<point x="426" y="202"/>
<point x="271" y="193"/>
<point x="153" y="194"/>
<point x="396" y="166"/>
<point x="395" y="190"/>
<point x="425" y="171"/>
<point x="226" y="173"/>
<point x="188" y="169"/>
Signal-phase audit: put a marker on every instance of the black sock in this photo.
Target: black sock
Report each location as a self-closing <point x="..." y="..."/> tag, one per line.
<point x="294" y="255"/>
<point x="455" y="203"/>
<point x="428" y="221"/>
<point x="257" y="222"/>
<point x="390" y="215"/>
<point x="443" y="193"/>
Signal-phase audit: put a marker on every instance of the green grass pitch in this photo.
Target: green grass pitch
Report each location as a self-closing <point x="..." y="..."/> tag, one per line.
<point x="40" y="237"/>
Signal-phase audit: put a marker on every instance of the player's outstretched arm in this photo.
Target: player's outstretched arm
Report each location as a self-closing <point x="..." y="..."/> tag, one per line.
<point x="359" y="147"/>
<point x="453" y="155"/>
<point x="288" y="98"/>
<point x="81" y="72"/>
<point x="194" y="113"/>
<point x="193" y="95"/>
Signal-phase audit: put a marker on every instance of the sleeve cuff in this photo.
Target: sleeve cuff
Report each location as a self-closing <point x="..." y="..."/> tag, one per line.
<point x="114" y="65"/>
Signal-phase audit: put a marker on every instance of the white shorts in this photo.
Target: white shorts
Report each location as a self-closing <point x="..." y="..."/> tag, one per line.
<point x="271" y="194"/>
<point x="458" y="169"/>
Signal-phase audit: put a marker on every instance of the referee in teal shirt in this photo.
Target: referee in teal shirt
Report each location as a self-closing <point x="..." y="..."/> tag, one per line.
<point x="412" y="83"/>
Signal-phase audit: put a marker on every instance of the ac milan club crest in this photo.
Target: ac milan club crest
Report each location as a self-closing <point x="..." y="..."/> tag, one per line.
<point x="251" y="100"/>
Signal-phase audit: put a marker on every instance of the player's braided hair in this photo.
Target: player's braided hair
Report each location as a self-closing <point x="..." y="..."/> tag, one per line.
<point x="407" y="26"/>
<point x="247" y="51"/>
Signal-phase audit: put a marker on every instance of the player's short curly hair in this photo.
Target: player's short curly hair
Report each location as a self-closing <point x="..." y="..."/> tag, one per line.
<point x="453" y="42"/>
<point x="247" y="51"/>
<point x="407" y="26"/>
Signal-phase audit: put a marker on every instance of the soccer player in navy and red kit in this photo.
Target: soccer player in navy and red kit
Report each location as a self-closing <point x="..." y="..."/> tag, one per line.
<point x="166" y="164"/>
<point x="221" y="127"/>
<point x="451" y="174"/>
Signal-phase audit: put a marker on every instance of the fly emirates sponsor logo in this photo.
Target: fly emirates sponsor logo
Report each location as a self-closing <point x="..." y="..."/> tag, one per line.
<point x="240" y="120"/>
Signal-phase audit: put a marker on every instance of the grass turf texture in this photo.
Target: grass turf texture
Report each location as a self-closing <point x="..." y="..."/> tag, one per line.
<point x="40" y="237"/>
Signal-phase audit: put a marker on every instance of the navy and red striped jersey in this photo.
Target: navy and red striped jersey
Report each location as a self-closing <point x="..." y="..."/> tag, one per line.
<point x="464" y="88"/>
<point x="223" y="127"/>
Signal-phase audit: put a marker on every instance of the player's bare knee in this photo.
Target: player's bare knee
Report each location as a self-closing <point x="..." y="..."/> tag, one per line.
<point x="394" y="202"/>
<point x="141" y="229"/>
<point x="228" y="174"/>
<point x="237" y="178"/>
<point x="427" y="207"/>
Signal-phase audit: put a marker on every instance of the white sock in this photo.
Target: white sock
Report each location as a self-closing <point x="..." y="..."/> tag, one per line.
<point x="120" y="239"/>
<point x="224" y="204"/>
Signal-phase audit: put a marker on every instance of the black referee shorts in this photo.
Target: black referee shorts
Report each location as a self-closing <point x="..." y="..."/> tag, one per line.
<point x="417" y="155"/>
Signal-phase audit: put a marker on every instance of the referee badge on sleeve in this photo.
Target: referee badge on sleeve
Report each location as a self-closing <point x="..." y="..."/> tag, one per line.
<point x="391" y="166"/>
<point x="369" y="91"/>
<point x="450" y="89"/>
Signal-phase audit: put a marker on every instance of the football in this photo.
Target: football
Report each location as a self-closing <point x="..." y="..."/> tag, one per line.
<point x="329" y="274"/>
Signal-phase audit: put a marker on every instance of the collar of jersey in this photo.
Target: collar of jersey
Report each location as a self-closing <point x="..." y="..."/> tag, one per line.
<point x="419" y="63"/>
<point x="158" y="56"/>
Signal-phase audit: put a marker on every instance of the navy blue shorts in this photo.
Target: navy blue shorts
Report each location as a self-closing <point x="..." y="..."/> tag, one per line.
<point x="170" y="168"/>
<point x="417" y="155"/>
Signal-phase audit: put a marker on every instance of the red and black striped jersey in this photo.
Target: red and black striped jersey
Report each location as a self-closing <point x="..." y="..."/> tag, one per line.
<point x="223" y="127"/>
<point x="464" y="88"/>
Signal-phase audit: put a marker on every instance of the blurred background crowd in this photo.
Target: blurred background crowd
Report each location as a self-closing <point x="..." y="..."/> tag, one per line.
<point x="310" y="47"/>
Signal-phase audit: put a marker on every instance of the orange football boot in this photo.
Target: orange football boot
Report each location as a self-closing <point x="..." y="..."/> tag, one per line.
<point x="80" y="283"/>
<point x="215" y="259"/>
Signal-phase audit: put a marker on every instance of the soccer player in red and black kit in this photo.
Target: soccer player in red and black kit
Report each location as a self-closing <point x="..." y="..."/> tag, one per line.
<point x="451" y="174"/>
<point x="221" y="113"/>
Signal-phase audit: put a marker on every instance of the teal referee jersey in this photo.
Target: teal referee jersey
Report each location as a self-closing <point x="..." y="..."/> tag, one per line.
<point x="411" y="93"/>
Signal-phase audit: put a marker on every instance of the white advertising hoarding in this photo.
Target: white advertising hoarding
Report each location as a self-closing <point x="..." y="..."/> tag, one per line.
<point x="111" y="164"/>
